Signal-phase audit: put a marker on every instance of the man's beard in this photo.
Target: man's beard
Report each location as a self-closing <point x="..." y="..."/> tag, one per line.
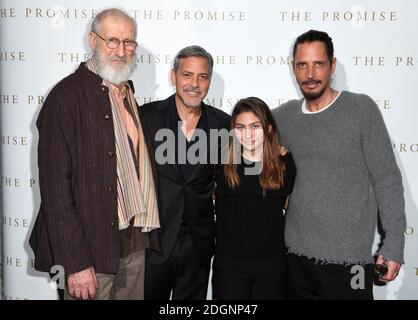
<point x="310" y="96"/>
<point x="105" y="69"/>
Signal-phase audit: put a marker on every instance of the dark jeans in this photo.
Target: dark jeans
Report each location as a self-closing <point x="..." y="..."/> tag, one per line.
<point x="310" y="279"/>
<point x="248" y="279"/>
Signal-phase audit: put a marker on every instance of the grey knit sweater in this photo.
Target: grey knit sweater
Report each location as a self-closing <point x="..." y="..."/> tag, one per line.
<point x="346" y="174"/>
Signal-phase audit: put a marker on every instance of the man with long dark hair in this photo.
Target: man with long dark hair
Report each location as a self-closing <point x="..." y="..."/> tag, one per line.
<point x="347" y="174"/>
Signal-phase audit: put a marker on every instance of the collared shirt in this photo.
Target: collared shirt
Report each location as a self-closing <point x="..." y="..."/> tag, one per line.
<point x="129" y="119"/>
<point x="174" y="117"/>
<point x="132" y="239"/>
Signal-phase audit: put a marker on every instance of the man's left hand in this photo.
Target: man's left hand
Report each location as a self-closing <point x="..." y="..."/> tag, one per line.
<point x="393" y="269"/>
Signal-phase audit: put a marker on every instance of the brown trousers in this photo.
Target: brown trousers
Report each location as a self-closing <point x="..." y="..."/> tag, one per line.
<point x="127" y="284"/>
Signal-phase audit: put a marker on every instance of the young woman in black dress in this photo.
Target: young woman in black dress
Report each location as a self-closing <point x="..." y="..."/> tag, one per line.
<point x="251" y="193"/>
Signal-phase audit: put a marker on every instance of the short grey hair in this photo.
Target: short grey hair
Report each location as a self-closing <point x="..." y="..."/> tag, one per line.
<point x="115" y="12"/>
<point x="193" y="51"/>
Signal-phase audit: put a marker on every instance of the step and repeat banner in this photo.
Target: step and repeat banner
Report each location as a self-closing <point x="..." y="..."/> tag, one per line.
<point x="43" y="41"/>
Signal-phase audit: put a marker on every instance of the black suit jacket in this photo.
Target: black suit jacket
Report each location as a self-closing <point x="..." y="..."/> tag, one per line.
<point x="191" y="198"/>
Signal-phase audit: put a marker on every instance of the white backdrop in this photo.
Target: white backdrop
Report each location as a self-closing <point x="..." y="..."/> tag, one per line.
<point x="43" y="41"/>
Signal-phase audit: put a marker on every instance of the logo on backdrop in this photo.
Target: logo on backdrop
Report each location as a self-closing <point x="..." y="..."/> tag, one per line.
<point x="261" y="60"/>
<point x="382" y="61"/>
<point x="15" y="182"/>
<point x="14" y="262"/>
<point x="17" y="99"/>
<point x="12" y="56"/>
<point x="59" y="14"/>
<point x="405" y="147"/>
<point x="15" y="141"/>
<point x="383" y="104"/>
<point x="7" y="13"/>
<point x="73" y="57"/>
<point x="15" y="222"/>
<point x="357" y="16"/>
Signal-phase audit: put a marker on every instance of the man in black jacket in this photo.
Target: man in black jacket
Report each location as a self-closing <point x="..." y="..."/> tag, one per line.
<point x="185" y="173"/>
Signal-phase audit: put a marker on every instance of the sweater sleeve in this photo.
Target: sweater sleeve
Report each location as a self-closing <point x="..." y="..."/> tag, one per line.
<point x="386" y="180"/>
<point x="65" y="231"/>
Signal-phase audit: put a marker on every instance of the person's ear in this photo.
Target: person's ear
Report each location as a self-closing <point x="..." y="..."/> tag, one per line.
<point x="92" y="41"/>
<point x="333" y="65"/>
<point x="173" y="77"/>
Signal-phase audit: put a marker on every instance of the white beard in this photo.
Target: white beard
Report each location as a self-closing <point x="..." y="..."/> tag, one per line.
<point x="106" y="71"/>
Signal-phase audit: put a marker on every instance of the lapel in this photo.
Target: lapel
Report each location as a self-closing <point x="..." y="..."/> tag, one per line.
<point x="160" y="120"/>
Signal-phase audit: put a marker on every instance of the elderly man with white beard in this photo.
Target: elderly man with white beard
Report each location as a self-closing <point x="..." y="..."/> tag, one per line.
<point x="97" y="183"/>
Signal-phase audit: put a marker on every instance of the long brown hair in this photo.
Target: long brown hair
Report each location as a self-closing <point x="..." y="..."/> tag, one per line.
<point x="272" y="173"/>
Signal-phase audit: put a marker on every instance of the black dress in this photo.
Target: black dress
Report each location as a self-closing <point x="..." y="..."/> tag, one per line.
<point x="250" y="250"/>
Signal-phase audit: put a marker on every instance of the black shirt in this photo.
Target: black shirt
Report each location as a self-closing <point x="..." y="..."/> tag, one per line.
<point x="249" y="219"/>
<point x="186" y="167"/>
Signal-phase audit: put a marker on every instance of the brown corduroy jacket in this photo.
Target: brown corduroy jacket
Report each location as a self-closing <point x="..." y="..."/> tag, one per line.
<point x="77" y="224"/>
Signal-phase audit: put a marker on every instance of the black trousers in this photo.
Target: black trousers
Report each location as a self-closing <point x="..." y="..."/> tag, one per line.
<point x="248" y="279"/>
<point x="308" y="279"/>
<point x="181" y="276"/>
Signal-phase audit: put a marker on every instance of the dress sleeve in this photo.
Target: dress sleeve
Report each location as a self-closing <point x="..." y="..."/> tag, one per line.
<point x="290" y="173"/>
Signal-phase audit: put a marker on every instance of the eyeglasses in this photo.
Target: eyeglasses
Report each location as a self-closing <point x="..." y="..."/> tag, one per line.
<point x="113" y="43"/>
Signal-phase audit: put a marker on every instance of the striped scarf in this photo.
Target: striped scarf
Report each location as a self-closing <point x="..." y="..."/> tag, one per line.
<point x="136" y="197"/>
